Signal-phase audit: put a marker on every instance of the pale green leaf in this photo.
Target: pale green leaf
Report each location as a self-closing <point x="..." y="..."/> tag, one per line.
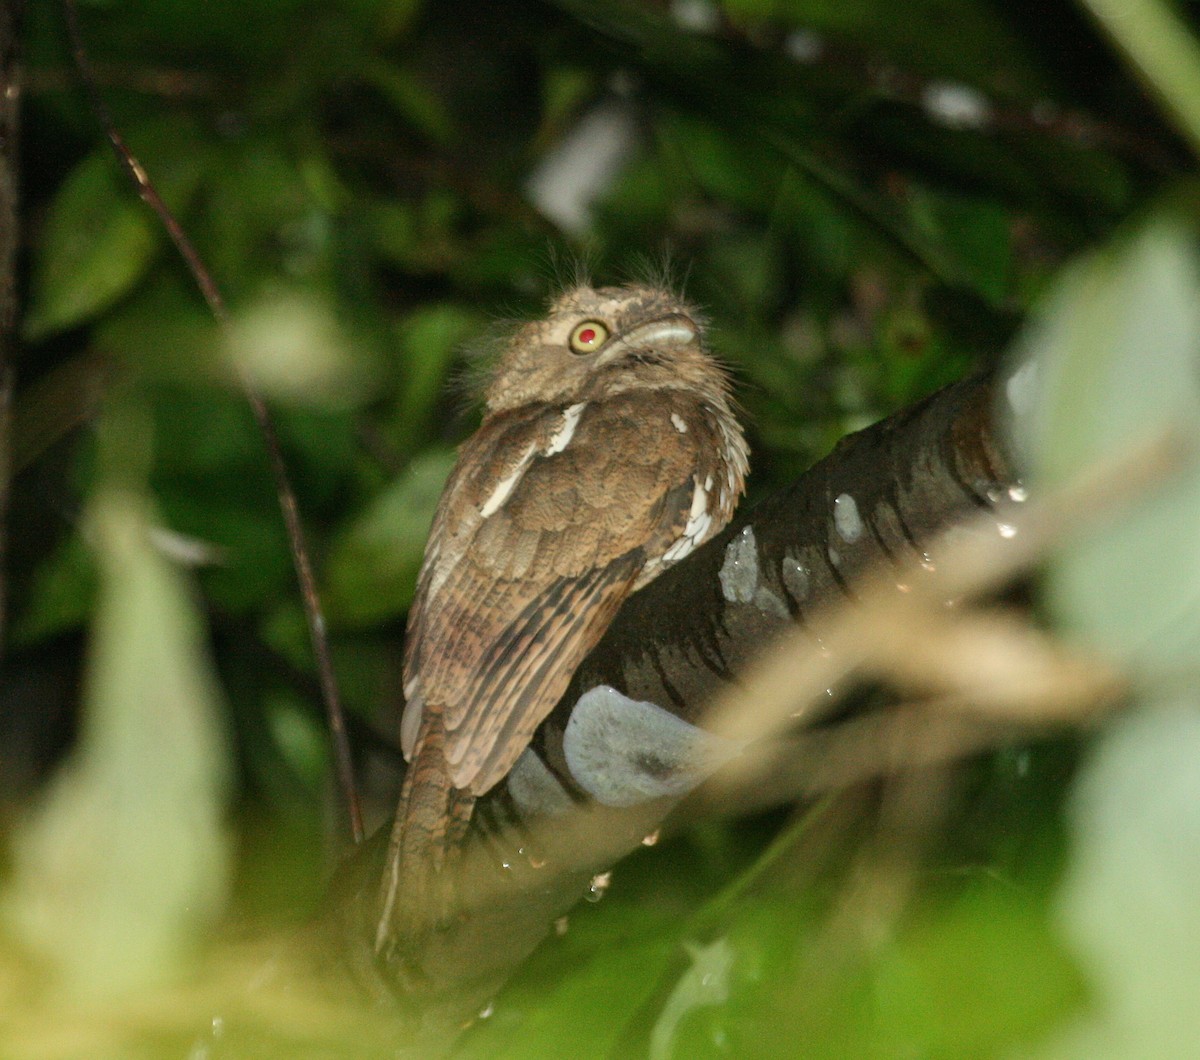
<point x="124" y="862"/>
<point x="96" y="245"/>
<point x="586" y="1013"/>
<point x="99" y="238"/>
<point x="428" y="339"/>
<point x="292" y="344"/>
<point x="1114" y="364"/>
<point x="705" y="983"/>
<point x="1128" y="900"/>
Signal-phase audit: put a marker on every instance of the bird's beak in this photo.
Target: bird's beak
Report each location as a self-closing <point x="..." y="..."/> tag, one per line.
<point x="667" y="332"/>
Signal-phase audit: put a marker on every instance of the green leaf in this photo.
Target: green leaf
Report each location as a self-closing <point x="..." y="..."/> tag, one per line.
<point x="165" y="331"/>
<point x="984" y="973"/>
<point x="705" y="983"/>
<point x="583" y="1014"/>
<point x="413" y="100"/>
<point x="62" y="593"/>
<point x="99" y="238"/>
<point x="1158" y="42"/>
<point x="97" y="243"/>
<point x="1127" y="902"/>
<point x="973" y="232"/>
<point x="1110" y="367"/>
<point x="372" y="569"/>
<point x="123" y="865"/>
<point x="247" y="539"/>
<point x="264" y="219"/>
<point x="428" y="338"/>
<point x="982" y="44"/>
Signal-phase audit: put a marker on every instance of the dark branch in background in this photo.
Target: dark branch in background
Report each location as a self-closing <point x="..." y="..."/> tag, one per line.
<point x="677" y="644"/>
<point x="283" y="488"/>
<point x="11" y="12"/>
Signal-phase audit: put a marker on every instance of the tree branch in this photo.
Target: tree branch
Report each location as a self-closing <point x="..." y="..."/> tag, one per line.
<point x="891" y="488"/>
<point x="878" y="498"/>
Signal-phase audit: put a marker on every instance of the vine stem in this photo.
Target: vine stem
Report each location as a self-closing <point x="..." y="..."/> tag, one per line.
<point x="11" y="17"/>
<point x="334" y="713"/>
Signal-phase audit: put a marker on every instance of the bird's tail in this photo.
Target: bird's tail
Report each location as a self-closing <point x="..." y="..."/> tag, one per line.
<point x="431" y="823"/>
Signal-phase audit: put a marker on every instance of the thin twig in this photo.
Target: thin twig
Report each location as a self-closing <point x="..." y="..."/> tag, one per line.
<point x="287" y="498"/>
<point x="11" y="14"/>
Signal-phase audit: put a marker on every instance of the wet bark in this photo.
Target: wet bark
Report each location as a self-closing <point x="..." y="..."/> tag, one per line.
<point x="878" y="498"/>
<point x="903" y="479"/>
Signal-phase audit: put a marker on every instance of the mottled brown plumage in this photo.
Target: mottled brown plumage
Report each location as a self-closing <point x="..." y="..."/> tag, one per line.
<point x="608" y="451"/>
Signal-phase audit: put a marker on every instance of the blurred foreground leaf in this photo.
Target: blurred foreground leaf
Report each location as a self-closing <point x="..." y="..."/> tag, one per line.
<point x="1113" y="365"/>
<point x="292" y="346"/>
<point x="124" y="862"/>
<point x="1128" y="901"/>
<point x="705" y="983"/>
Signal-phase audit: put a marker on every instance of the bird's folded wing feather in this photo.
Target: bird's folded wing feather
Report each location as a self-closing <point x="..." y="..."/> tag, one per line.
<point x="512" y="601"/>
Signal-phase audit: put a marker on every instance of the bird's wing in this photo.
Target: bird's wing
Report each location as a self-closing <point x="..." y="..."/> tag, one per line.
<point x="514" y="599"/>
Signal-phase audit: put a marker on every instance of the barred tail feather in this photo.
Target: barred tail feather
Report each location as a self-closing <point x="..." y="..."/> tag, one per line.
<point x="431" y="823"/>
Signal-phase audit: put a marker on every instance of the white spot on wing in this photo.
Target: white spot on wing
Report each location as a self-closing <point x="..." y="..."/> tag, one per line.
<point x="678" y="420"/>
<point x="682" y="548"/>
<point x="623" y="751"/>
<point x="735" y="450"/>
<point x="410" y="720"/>
<point x="566" y="431"/>
<point x="505" y="486"/>
<point x="559" y="440"/>
<point x="696" y="530"/>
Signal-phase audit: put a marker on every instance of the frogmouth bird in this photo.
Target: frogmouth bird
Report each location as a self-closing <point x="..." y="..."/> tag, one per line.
<point x="608" y="451"/>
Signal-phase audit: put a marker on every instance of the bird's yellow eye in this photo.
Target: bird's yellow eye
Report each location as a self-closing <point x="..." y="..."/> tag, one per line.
<point x="588" y="336"/>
